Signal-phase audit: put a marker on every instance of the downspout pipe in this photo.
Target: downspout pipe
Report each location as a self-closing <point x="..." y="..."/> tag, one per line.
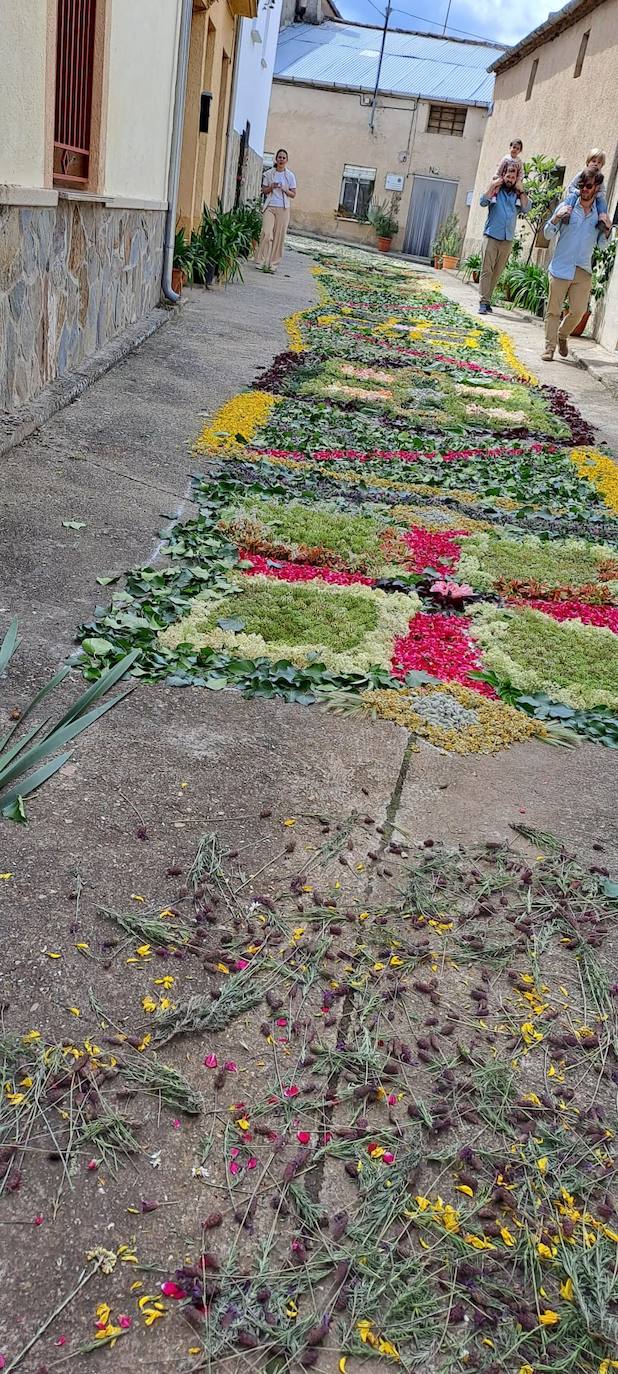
<point x="232" y="109"/>
<point x="173" y="180"/>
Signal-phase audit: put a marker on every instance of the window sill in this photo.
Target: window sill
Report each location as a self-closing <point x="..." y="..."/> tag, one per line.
<point x="113" y="202"/>
<point x="350" y="219"/>
<point x="28" y="196"/>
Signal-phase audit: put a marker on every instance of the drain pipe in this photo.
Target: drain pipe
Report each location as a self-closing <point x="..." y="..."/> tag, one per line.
<point x="184" y="43"/>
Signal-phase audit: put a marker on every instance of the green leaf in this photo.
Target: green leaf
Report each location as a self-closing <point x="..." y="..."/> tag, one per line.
<point x="610" y="889"/>
<point x="9" y="643"/>
<point x="74" y="524"/>
<point x="108" y="581"/>
<point x="233" y="624"/>
<point x="16" y="811"/>
<point x="99" y="647"/>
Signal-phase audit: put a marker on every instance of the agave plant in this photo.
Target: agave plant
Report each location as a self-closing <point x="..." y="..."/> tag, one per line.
<point x="25" y="765"/>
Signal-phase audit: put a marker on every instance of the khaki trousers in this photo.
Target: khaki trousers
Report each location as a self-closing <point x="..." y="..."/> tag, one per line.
<point x="495" y="254"/>
<point x="579" y="293"/>
<point x="272" y="239"/>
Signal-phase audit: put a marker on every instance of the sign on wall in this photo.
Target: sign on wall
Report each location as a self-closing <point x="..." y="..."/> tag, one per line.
<point x="393" y="182"/>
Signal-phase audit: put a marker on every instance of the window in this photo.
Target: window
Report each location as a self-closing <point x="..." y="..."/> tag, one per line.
<point x="357" y="186"/>
<point x="581" y="54"/>
<point x="532" y="78"/>
<point x="74" y="80"/>
<point x="447" y="119"/>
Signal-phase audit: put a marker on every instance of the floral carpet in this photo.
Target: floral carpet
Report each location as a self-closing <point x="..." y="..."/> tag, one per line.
<point x="397" y="519"/>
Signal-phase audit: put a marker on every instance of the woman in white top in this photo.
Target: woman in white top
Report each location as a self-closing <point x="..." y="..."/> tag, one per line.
<point x="279" y="187"/>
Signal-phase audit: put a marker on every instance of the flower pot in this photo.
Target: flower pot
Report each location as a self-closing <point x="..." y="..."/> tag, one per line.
<point x="476" y="276"/>
<point x="579" y="328"/>
<point x="437" y="262"/>
<point x="178" y="279"/>
<point x="449" y="262"/>
<point x="383" y="243"/>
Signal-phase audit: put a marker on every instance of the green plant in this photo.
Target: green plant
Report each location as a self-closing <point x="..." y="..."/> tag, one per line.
<point x="24" y="766"/>
<point x="183" y="254"/>
<point x="451" y="236"/>
<point x="526" y="285"/>
<point x="603" y="260"/>
<point x="472" y="264"/>
<point x="542" y="182"/>
<point x="382" y="216"/>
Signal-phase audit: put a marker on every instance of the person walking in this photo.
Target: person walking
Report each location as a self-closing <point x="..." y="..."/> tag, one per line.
<point x="279" y="187"/>
<point x="578" y="230"/>
<point x="506" y="199"/>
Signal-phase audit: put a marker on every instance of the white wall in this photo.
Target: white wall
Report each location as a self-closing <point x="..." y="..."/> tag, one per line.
<point x="23" y="63"/>
<point x="143" y="50"/>
<point x="255" y="72"/>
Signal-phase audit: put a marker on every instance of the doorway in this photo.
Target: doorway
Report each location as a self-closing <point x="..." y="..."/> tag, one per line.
<point x="432" y="200"/>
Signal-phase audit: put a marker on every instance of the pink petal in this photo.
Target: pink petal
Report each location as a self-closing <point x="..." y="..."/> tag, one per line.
<point x="252" y="1163"/>
<point x="293" y="1091"/>
<point x="388" y="1158"/>
<point x="235" y="1150"/>
<point x="241" y="964"/>
<point x="211" y="1061"/>
<point x="62" y="1340"/>
<point x="304" y="1137"/>
<point x="125" y="1322"/>
<point x="176" y="1124"/>
<point x="234" y="1168"/>
<point x="169" y="1289"/>
<point x="230" y="1066"/>
<point x="92" y="1164"/>
<point x="39" y="1219"/>
<point x="392" y="1101"/>
<point x="282" y="1021"/>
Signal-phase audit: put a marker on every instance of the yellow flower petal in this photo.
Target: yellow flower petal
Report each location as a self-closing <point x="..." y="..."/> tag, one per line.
<point x="549" y="1318"/>
<point x="566" y="1290"/>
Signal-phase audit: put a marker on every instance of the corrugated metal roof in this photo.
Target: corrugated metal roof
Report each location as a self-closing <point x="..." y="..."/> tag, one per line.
<point x="347" y="55"/>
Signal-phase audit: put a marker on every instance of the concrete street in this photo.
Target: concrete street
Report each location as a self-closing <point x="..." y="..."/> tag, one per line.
<point x="123" y="820"/>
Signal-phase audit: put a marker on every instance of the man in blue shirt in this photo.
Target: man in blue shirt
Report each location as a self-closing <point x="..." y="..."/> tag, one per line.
<point x="570" y="270"/>
<point x="506" y="199"/>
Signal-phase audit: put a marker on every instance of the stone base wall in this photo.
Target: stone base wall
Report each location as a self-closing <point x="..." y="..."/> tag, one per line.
<point x="71" y="277"/>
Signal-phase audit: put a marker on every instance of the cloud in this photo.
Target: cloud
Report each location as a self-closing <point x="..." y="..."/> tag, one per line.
<point x="498" y="19"/>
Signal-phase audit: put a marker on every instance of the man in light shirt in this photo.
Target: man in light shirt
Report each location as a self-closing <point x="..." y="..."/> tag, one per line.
<point x="279" y="187"/>
<point x="578" y="231"/>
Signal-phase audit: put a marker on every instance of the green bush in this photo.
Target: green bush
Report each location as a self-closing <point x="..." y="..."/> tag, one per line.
<point x="217" y="248"/>
<point x="525" y="285"/>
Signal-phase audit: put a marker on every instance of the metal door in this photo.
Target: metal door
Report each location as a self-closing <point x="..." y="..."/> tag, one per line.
<point x="432" y="200"/>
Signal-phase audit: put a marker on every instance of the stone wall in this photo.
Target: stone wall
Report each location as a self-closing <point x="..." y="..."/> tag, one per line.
<point x="71" y="277"/>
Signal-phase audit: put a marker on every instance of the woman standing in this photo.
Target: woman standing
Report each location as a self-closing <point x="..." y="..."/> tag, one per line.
<point x="279" y="187"/>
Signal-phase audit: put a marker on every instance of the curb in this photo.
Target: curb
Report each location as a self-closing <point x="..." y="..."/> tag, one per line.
<point x="15" y="428"/>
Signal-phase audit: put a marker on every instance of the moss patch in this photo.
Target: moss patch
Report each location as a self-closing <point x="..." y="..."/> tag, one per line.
<point x="569" y="662"/>
<point x="355" y="538"/>
<point x="294" y="613"/>
<point x="490" y="561"/>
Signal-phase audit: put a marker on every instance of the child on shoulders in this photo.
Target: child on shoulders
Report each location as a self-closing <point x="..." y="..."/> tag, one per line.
<point x="514" y="156"/>
<point x="595" y="161"/>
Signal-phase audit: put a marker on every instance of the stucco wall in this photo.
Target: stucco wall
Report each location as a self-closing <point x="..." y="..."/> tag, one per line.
<point x="143" y="48"/>
<point x="564" y="116"/>
<point x="210" y="69"/>
<point x="23" y="46"/>
<point x="323" y="130"/>
<point x="255" y="72"/>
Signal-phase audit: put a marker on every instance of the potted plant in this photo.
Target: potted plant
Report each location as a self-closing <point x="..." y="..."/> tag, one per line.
<point x="452" y="239"/>
<point x="182" y="269"/>
<point x="436" y="249"/>
<point x="383" y="217"/>
<point x="471" y="268"/>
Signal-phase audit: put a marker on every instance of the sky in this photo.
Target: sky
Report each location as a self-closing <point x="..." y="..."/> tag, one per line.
<point x="501" y="20"/>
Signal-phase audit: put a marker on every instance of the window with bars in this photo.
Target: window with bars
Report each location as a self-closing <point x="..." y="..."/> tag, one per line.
<point x="447" y="119"/>
<point x="357" y="187"/>
<point x="75" y="37"/>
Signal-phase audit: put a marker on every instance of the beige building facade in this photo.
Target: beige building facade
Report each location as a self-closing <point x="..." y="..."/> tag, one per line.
<point x="557" y="90"/>
<point x="348" y="150"/>
<point x="86" y="108"/>
<point x="401" y="127"/>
